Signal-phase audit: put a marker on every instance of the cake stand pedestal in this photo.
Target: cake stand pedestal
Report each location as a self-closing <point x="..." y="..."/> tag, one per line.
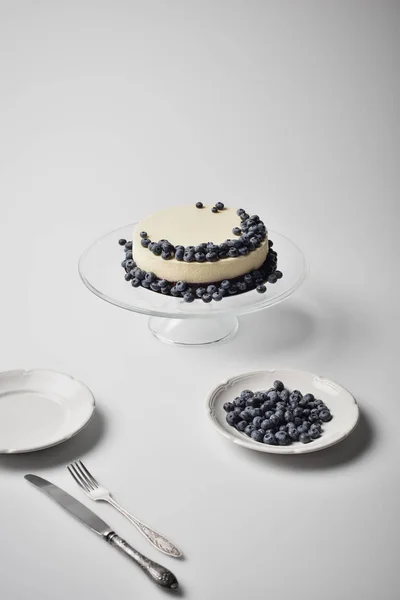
<point x="171" y="319"/>
<point x="194" y="332"/>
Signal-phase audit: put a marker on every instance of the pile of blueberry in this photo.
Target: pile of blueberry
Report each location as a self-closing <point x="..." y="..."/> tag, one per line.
<point x="278" y="416"/>
<point x="250" y="236"/>
<point x="207" y="293"/>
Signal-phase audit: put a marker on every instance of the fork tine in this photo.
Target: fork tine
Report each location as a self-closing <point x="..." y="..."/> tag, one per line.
<point x="77" y="478"/>
<point x="88" y="474"/>
<point x="83" y="476"/>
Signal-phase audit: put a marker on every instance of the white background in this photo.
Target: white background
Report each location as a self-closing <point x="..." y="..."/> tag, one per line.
<point x="110" y="110"/>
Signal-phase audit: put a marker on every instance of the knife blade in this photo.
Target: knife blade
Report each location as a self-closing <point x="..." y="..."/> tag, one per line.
<point x="71" y="505"/>
<point x="159" y="574"/>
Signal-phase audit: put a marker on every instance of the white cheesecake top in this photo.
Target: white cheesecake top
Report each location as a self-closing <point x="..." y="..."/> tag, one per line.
<point x="191" y="226"/>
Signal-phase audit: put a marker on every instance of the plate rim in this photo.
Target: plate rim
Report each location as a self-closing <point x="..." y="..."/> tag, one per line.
<point x="278" y="450"/>
<point x="25" y="372"/>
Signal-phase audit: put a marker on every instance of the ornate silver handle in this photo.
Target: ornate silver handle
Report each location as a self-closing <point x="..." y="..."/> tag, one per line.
<point x="159" y="574"/>
<point x="158" y="540"/>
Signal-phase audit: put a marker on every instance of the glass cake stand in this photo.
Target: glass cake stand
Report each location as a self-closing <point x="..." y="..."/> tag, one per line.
<point x="171" y="319"/>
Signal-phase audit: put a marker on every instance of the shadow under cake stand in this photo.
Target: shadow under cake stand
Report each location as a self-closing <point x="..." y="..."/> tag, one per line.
<point x="171" y="319"/>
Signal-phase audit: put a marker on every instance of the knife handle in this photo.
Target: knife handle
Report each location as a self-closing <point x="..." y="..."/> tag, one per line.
<point x="159" y="574"/>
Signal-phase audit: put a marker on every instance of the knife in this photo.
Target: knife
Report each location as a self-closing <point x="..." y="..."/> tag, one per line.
<point x="156" y="572"/>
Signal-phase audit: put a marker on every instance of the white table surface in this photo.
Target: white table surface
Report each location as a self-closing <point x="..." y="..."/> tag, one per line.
<point x="110" y="110"/>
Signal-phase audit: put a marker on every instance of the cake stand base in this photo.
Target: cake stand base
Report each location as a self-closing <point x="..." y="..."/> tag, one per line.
<point x="194" y="332"/>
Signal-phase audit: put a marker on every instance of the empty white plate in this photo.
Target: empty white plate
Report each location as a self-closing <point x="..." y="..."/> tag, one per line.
<point x="41" y="408"/>
<point x="341" y="403"/>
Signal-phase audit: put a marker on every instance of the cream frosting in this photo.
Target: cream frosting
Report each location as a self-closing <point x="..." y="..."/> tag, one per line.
<point x="191" y="226"/>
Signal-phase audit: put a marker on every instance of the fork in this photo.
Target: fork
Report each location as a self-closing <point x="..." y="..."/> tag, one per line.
<point x="96" y="492"/>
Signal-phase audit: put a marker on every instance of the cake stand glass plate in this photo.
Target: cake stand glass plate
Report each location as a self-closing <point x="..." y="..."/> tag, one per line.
<point x="41" y="408"/>
<point x="342" y="404"/>
<point x="171" y="319"/>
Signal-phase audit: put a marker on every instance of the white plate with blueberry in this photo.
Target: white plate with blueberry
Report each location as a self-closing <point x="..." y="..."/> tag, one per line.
<point x="283" y="411"/>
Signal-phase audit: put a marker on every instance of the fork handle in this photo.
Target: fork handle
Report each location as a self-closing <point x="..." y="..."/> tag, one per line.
<point x="158" y="540"/>
<point x="159" y="574"/>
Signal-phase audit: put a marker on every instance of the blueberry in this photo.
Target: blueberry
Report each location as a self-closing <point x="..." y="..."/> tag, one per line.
<point x="179" y="254"/>
<point x="284" y="395"/>
<point x="303" y="402"/>
<point x="181" y="286"/>
<point x="256" y="435"/>
<point x="294" y="434"/>
<point x="220" y="206"/>
<point x="279" y="274"/>
<point x="314" y="433"/>
<point x="135" y="282"/>
<point x="265" y="424"/>
<point x="297" y="421"/>
<point x="166" y="289"/>
<point x="270" y="243"/>
<point x="247" y="394"/>
<point x="122" y="242"/>
<point x="129" y="264"/>
<point x="272" y="278"/>
<point x="257" y="412"/>
<point x="143" y="234"/>
<point x="240" y="211"/>
<point x="309" y="397"/>
<point x="283" y="428"/>
<point x="200" y="257"/>
<point x="175" y="292"/>
<point x="302" y="429"/>
<point x="217" y="297"/>
<point x="313" y="418"/>
<point x="298" y="412"/>
<point x="279" y="414"/>
<point x="211" y="289"/>
<point x="243" y="251"/>
<point x="233" y="252"/>
<point x="245" y="416"/>
<point x="241" y="286"/>
<point x="282" y="438"/>
<point x="211" y="256"/>
<point x="199" y="205"/>
<point x="232" y="290"/>
<point x="206" y="298"/>
<point x="236" y="231"/>
<point x="200" y="291"/>
<point x="145" y="284"/>
<point x="306" y="425"/>
<point x="157" y="249"/>
<point x="129" y="255"/>
<point x="269" y="438"/>
<point x="249" y="429"/>
<point x="188" y="297"/>
<point x="278" y="385"/>
<point x="214" y="209"/>
<point x="274" y="420"/>
<point x="145" y="243"/>
<point x="225" y="284"/>
<point x="231" y="418"/>
<point x="288" y="416"/>
<point x="128" y="276"/>
<point x="241" y="426"/>
<point x="239" y="401"/>
<point x="128" y="246"/>
<point x="306" y="412"/>
<point x="261" y="289"/>
<point x="237" y="410"/>
<point x="155" y="287"/>
<point x="150" y="277"/>
<point x="280" y="406"/>
<point x="325" y="416"/>
<point x="315" y="427"/>
<point x="268" y="414"/>
<point x="304" y="438"/>
<point x="165" y="255"/>
<point x="257" y="422"/>
<point x="248" y="278"/>
<point x="188" y="257"/>
<point x="273" y="396"/>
